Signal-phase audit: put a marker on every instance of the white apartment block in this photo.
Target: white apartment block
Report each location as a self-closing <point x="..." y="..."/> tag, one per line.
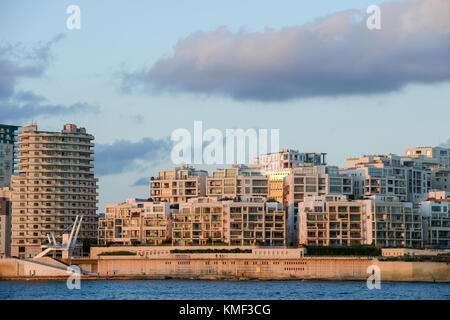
<point x="440" y="179"/>
<point x="287" y="159"/>
<point x="392" y="223"/>
<point x="54" y="185"/>
<point x="249" y="221"/>
<point x="178" y="185"/>
<point x="389" y="175"/>
<point x="331" y="221"/>
<point x="380" y="221"/>
<point x="135" y="221"/>
<point x="238" y="181"/>
<point x="436" y="219"/>
<point x="440" y="154"/>
<point x="308" y="180"/>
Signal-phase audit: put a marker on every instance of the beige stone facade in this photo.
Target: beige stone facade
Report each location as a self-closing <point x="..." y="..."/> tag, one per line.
<point x="236" y="182"/>
<point x="239" y="222"/>
<point x="308" y="180"/>
<point x="55" y="183"/>
<point x="135" y="221"/>
<point x="178" y="185"/>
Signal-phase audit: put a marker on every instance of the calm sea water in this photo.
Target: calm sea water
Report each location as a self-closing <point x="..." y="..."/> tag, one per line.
<point x="229" y="290"/>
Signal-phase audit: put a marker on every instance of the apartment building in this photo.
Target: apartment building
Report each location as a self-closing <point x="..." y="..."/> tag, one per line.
<point x="200" y="221"/>
<point x="389" y="175"/>
<point x="277" y="183"/>
<point x="8" y="152"/>
<point x="331" y="221"/>
<point x="440" y="178"/>
<point x="440" y="154"/>
<point x="237" y="181"/>
<point x="286" y="159"/>
<point x="245" y="221"/>
<point x="308" y="180"/>
<point x="55" y="183"/>
<point x="392" y="223"/>
<point x="135" y="221"/>
<point x="379" y="221"/>
<point x="5" y="222"/>
<point x="436" y="219"/>
<point x="256" y="221"/>
<point x="178" y="185"/>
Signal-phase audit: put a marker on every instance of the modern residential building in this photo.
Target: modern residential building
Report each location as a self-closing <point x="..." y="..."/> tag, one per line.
<point x="8" y="152"/>
<point x="379" y="221"/>
<point x="331" y="221"/>
<point x="245" y="221"/>
<point x="440" y="178"/>
<point x="237" y="181"/>
<point x="54" y="185"/>
<point x="255" y="221"/>
<point x="308" y="180"/>
<point x="178" y="185"/>
<point x="5" y="222"/>
<point x="436" y="219"/>
<point x="440" y="154"/>
<point x="389" y="175"/>
<point x="200" y="221"/>
<point x="136" y="221"/>
<point x="277" y="183"/>
<point x="392" y="223"/>
<point x="287" y="159"/>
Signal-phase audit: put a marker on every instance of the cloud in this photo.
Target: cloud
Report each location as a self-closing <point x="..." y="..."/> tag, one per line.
<point x="141" y="182"/>
<point x="445" y="144"/>
<point x="16" y="112"/>
<point x="334" y="55"/>
<point x="18" y="62"/>
<point x="125" y="155"/>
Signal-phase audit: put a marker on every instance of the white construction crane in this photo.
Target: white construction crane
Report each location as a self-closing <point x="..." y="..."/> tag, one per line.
<point x="68" y="241"/>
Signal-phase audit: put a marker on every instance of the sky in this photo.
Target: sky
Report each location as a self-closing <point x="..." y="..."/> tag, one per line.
<point x="135" y="72"/>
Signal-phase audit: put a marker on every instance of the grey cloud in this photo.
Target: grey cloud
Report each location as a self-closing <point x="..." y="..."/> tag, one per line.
<point x="334" y="55"/>
<point x="141" y="182"/>
<point x="15" y="112"/>
<point x="125" y="155"/>
<point x="17" y="62"/>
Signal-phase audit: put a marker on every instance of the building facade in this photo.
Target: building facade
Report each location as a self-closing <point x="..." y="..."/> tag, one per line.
<point x="55" y="183"/>
<point x="331" y="221"/>
<point x="436" y="219"/>
<point x="308" y="180"/>
<point x="238" y="181"/>
<point x="389" y="175"/>
<point x="440" y="154"/>
<point x="287" y="159"/>
<point x="136" y="221"/>
<point x="178" y="185"/>
<point x="5" y="222"/>
<point x="392" y="223"/>
<point x="8" y="152"/>
<point x="246" y="221"/>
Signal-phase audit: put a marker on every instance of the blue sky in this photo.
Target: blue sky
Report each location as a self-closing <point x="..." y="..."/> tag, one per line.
<point x="83" y="70"/>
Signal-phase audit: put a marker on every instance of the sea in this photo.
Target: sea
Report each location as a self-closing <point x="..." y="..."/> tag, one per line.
<point x="223" y="290"/>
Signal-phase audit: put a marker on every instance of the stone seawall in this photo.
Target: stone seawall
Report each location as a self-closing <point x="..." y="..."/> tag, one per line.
<point x="327" y="268"/>
<point x="334" y="268"/>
